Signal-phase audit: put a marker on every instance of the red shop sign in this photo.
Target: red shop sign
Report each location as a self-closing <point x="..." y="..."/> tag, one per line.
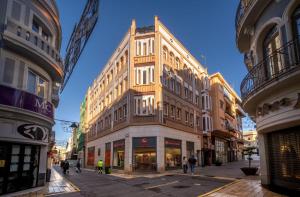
<point x="119" y="143"/>
<point x="172" y="142"/>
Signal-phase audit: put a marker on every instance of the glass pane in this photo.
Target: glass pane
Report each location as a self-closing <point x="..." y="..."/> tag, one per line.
<point x="31" y="82"/>
<point x="15" y="149"/>
<point x="13" y="167"/>
<point x="27" y="159"/>
<point x="27" y="150"/>
<point x="26" y="167"/>
<point x="14" y="159"/>
<point x="42" y="88"/>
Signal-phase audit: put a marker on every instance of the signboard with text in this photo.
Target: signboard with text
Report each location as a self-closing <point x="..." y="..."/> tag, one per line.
<point x="25" y="100"/>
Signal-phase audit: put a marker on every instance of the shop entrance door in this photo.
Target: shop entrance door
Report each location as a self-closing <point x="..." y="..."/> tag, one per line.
<point x="145" y="159"/>
<point x="18" y="167"/>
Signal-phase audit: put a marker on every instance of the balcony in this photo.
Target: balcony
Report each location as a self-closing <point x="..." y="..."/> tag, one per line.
<point x="144" y="59"/>
<point x="248" y="11"/>
<point x="283" y="62"/>
<point x="24" y="41"/>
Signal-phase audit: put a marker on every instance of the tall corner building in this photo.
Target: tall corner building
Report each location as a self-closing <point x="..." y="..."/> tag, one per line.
<point x="267" y="32"/>
<point x="30" y="71"/>
<point x="226" y="139"/>
<point x="144" y="110"/>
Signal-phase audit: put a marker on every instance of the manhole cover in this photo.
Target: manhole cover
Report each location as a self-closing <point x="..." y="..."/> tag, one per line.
<point x="181" y="186"/>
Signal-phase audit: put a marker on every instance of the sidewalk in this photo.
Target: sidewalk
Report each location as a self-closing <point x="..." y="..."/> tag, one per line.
<point x="249" y="188"/>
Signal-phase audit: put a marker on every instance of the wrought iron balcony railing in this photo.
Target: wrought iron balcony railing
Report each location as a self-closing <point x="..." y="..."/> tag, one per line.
<point x="281" y="62"/>
<point x="242" y="9"/>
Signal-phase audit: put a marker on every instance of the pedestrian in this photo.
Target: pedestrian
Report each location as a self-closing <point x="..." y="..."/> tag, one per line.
<point x="66" y="167"/>
<point x="192" y="162"/>
<point x="100" y="166"/>
<point x="78" y="166"/>
<point x="185" y="165"/>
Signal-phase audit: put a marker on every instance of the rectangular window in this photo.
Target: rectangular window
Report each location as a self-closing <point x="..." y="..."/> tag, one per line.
<point x="144" y="77"/>
<point x="116" y="115"/>
<point x="172" y="111"/>
<point x="178" y="114"/>
<point x="9" y="69"/>
<point x="186" y="92"/>
<point x="42" y="88"/>
<point x="204" y="124"/>
<point x="125" y="110"/>
<point x="166" y="109"/>
<point x="31" y="82"/>
<point x="192" y="119"/>
<point x="186" y="117"/>
<point x="35" y="26"/>
<point x="144" y="105"/>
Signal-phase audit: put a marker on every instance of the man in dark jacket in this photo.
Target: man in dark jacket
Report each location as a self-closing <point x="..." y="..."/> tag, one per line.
<point x="192" y="162"/>
<point x="66" y="166"/>
<point x="78" y="166"/>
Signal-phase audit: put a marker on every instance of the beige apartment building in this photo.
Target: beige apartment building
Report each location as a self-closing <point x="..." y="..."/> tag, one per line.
<point x="226" y="138"/>
<point x="146" y="109"/>
<point x="267" y="32"/>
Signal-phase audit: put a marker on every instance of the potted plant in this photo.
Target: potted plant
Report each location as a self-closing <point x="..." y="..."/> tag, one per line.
<point x="249" y="151"/>
<point x="218" y="162"/>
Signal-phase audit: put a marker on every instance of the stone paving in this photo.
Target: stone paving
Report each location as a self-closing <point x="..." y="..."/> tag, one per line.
<point x="226" y="180"/>
<point x="249" y="188"/>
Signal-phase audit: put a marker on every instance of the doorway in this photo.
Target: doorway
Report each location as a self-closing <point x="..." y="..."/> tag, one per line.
<point x="19" y="165"/>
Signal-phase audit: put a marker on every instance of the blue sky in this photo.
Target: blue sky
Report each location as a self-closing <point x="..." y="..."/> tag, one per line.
<point x="203" y="26"/>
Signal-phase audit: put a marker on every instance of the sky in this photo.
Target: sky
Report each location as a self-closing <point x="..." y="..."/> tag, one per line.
<point x="204" y="27"/>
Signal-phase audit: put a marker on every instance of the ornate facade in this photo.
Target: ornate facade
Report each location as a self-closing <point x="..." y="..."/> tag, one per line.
<point x="144" y="111"/>
<point x="267" y="32"/>
<point x="30" y="73"/>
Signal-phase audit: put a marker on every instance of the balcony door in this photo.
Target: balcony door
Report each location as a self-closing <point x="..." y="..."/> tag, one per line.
<point x="272" y="57"/>
<point x="296" y="33"/>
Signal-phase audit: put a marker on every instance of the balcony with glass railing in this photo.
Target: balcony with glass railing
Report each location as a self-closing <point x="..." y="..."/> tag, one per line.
<point x="281" y="63"/>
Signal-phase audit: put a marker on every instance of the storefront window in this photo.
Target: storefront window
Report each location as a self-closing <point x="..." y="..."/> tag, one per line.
<point x="173" y="153"/>
<point x="190" y="149"/>
<point x="144" y="154"/>
<point x="119" y="154"/>
<point x="91" y="156"/>
<point x="221" y="150"/>
<point x="18" y="167"/>
<point x="107" y="154"/>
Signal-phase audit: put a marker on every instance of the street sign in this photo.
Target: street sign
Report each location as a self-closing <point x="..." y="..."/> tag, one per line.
<point x="79" y="38"/>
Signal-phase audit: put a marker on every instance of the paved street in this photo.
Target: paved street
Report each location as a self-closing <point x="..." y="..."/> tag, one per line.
<point x="226" y="180"/>
<point x="92" y="184"/>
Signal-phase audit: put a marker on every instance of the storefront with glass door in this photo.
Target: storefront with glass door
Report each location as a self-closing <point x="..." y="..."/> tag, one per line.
<point x="173" y="154"/>
<point x="118" y="154"/>
<point x="144" y="154"/>
<point x="19" y="166"/>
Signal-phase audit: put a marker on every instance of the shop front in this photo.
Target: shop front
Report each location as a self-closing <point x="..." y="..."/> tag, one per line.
<point x="173" y="154"/>
<point x="220" y="150"/>
<point x="19" y="167"/>
<point x="107" y="155"/>
<point x="118" y="154"/>
<point x="144" y="154"/>
<point x="91" y="156"/>
<point x="190" y="150"/>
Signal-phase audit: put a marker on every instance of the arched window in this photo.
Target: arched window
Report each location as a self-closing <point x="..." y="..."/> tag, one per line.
<point x="272" y="57"/>
<point x="296" y="23"/>
<point x="165" y="53"/>
<point x="172" y="58"/>
<point x="122" y="61"/>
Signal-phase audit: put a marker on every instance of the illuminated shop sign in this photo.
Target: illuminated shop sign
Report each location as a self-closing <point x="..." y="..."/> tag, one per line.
<point x="144" y="142"/>
<point x="172" y="143"/>
<point x="24" y="100"/>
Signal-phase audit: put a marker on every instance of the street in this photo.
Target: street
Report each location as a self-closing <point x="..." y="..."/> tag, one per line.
<point x="92" y="184"/>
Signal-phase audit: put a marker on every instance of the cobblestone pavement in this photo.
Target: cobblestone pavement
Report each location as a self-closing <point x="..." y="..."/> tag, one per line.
<point x="92" y="184"/>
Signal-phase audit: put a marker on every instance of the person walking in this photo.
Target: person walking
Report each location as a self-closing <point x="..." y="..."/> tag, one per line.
<point x="192" y="162"/>
<point x="185" y="165"/>
<point x="78" y="170"/>
<point x="100" y="166"/>
<point x="66" y="167"/>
